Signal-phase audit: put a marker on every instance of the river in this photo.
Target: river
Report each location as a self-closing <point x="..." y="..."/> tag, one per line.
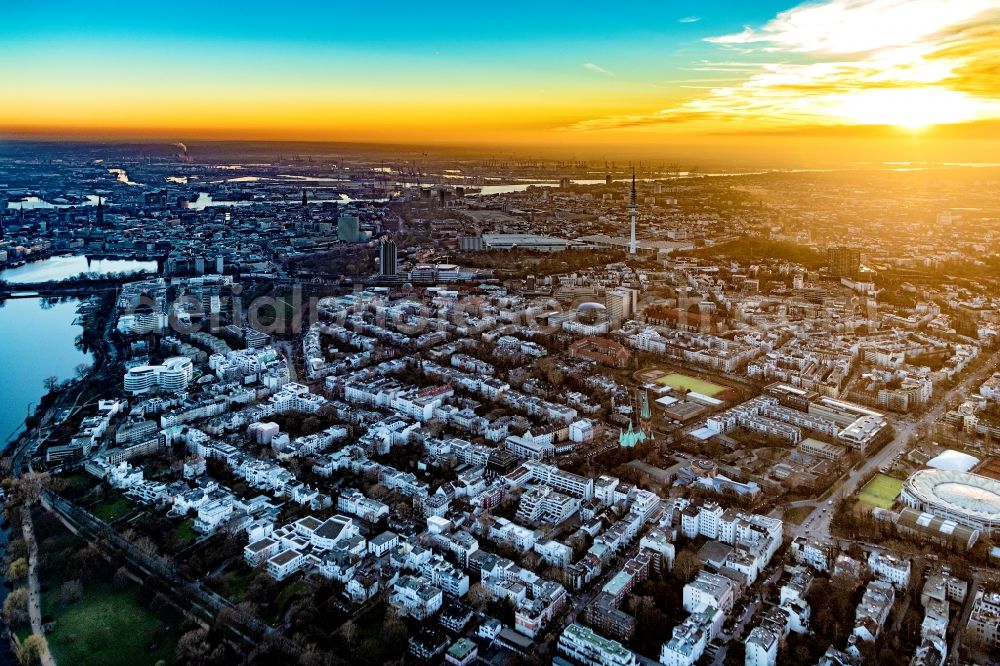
<point x="59" y="268"/>
<point x="205" y="200"/>
<point x="36" y="342"/>
<point x="30" y="203"/>
<point x="39" y="341"/>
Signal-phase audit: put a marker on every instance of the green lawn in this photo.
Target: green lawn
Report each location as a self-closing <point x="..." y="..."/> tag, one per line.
<point x="112" y="508"/>
<point x="680" y="382"/>
<point x="286" y="595"/>
<point x="79" y="481"/>
<point x="183" y="534"/>
<point x="109" y="628"/>
<point x="284" y="599"/>
<point x="881" y="491"/>
<point x="237" y="582"/>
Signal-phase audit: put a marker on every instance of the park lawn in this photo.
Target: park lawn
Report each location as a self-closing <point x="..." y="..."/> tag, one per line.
<point x="283" y="600"/>
<point x="881" y="492"/>
<point x="183" y="534"/>
<point x="113" y="508"/>
<point x="677" y="381"/>
<point x="237" y="582"/>
<point x="108" y="628"/>
<point x="797" y="515"/>
<point x="285" y="596"/>
<point x="79" y="481"/>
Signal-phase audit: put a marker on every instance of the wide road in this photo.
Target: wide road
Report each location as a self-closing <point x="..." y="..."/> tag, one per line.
<point x="817" y="524"/>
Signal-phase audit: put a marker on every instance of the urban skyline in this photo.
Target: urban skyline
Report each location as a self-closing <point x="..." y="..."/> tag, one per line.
<point x="804" y="81"/>
<point x="662" y="334"/>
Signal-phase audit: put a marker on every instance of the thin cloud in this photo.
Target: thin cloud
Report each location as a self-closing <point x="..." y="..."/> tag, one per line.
<point x="836" y="63"/>
<point x="689" y="19"/>
<point x="597" y="69"/>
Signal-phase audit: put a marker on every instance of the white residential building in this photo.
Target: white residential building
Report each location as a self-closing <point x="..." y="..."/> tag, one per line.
<point x="583" y="646"/>
<point x="891" y="569"/>
<point x="709" y="590"/>
<point x="761" y="647"/>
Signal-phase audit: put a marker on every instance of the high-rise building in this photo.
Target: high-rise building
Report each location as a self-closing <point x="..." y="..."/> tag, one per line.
<point x="844" y="261"/>
<point x="348" y="228"/>
<point x="620" y="304"/>
<point x="387" y="257"/>
<point x="633" y="213"/>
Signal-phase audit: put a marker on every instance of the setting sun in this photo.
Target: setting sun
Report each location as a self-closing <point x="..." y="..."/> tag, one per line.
<point x="913" y="109"/>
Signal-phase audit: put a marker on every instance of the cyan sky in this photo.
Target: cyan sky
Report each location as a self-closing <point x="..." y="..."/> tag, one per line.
<point x="391" y="25"/>
<point x="639" y="41"/>
<point x="561" y="73"/>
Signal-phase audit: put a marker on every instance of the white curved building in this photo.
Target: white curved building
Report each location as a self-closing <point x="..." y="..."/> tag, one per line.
<point x="968" y="499"/>
<point x="172" y="376"/>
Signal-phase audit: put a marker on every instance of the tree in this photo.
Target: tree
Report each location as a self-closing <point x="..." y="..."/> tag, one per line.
<point x="393" y="634"/>
<point x="18" y="569"/>
<point x="17" y="548"/>
<point x="349" y="631"/>
<point x="146" y="545"/>
<point x="85" y="562"/>
<point x="477" y="596"/>
<point x="32" y="649"/>
<point x="28" y="488"/>
<point x="50" y="383"/>
<point x="196" y="649"/>
<point x="312" y="655"/>
<point x="686" y="564"/>
<point x="310" y="424"/>
<point x="378" y="492"/>
<point x="15" y="608"/>
<point x="70" y="592"/>
<point x="122" y="579"/>
<point x="651" y="624"/>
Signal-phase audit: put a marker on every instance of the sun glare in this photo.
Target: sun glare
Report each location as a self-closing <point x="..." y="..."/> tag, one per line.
<point x="910" y="109"/>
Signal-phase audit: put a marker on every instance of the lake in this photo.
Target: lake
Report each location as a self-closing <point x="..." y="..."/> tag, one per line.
<point x="205" y="200"/>
<point x="60" y="268"/>
<point x="36" y="342"/>
<point x="30" y="203"/>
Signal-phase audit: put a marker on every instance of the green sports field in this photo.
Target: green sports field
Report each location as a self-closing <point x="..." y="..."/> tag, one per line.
<point x="680" y="382"/>
<point x="881" y="491"/>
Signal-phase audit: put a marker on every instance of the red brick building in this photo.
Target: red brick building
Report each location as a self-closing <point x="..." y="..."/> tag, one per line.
<point x="602" y="350"/>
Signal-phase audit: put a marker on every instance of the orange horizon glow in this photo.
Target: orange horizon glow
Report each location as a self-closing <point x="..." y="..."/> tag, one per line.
<point x="911" y="75"/>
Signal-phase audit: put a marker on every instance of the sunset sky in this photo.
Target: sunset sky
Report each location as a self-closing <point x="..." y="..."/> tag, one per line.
<point x="891" y="77"/>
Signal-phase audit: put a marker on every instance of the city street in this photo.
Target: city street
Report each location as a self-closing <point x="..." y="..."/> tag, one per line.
<point x="817" y="524"/>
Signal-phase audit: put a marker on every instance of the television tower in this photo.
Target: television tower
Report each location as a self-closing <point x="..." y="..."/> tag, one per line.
<point x="633" y="213"/>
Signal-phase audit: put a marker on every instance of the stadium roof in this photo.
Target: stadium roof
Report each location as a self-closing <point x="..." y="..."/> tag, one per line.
<point x="954" y="461"/>
<point x="960" y="492"/>
<point x="937" y="527"/>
